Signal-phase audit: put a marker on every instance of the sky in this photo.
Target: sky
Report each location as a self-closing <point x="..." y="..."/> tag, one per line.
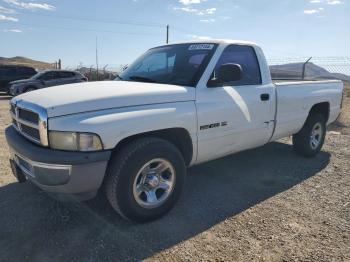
<point x="47" y="30"/>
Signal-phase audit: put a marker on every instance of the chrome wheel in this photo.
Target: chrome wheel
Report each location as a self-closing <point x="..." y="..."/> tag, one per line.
<point x="154" y="183"/>
<point x="316" y="136"/>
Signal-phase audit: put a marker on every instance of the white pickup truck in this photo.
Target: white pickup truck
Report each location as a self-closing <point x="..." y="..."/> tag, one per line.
<point x="175" y="106"/>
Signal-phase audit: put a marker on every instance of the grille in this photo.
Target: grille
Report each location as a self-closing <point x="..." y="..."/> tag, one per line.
<point x="28" y="116"/>
<point x="30" y="131"/>
<point x="30" y="120"/>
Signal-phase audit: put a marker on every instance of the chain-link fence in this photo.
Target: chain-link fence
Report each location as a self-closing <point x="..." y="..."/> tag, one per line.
<point x="310" y="68"/>
<point x="100" y="73"/>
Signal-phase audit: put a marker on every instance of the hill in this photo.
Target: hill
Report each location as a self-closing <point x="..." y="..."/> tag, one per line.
<point x="19" y="60"/>
<point x="313" y="71"/>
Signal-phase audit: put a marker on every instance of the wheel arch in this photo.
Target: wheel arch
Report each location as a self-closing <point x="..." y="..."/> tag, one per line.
<point x="322" y="108"/>
<point x="179" y="137"/>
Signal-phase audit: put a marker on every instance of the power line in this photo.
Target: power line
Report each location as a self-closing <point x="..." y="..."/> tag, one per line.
<point x="90" y="19"/>
<point x="83" y="29"/>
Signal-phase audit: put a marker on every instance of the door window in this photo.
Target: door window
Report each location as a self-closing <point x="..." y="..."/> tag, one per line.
<point x="50" y="76"/>
<point x="66" y="74"/>
<point x="244" y="56"/>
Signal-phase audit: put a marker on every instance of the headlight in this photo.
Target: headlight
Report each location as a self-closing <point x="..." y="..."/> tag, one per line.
<point x="73" y="141"/>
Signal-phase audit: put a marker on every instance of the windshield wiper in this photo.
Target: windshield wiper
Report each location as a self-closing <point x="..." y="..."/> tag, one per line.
<point x="142" y="79"/>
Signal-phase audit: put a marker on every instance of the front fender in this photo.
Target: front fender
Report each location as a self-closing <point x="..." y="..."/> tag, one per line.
<point x="113" y="125"/>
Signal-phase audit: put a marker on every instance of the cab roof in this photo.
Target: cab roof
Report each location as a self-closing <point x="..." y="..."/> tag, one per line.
<point x="217" y="41"/>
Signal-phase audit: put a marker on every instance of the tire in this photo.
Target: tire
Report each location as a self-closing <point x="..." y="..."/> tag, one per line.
<point x="303" y="142"/>
<point x="125" y="181"/>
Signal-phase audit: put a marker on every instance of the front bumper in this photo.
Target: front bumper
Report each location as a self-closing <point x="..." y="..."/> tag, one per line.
<point x="55" y="171"/>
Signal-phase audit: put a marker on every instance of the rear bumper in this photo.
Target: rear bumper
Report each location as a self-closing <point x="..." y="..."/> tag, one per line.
<point x="54" y="171"/>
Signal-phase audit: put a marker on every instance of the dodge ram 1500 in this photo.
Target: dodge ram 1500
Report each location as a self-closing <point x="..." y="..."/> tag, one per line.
<point x="176" y="106"/>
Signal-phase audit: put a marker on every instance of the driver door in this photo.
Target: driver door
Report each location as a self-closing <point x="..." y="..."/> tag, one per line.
<point x="234" y="116"/>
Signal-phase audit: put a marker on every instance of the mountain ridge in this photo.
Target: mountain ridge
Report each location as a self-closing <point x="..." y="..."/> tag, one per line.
<point x="21" y="60"/>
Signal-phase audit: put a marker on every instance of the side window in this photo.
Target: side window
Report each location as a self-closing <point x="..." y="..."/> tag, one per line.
<point x="56" y="75"/>
<point x="49" y="76"/>
<point x="244" y="56"/>
<point x="66" y="74"/>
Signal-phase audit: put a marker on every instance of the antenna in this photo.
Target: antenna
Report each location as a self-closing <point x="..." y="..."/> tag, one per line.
<point x="96" y="60"/>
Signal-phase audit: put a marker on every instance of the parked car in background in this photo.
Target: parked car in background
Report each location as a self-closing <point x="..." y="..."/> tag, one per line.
<point x="9" y="73"/>
<point x="45" y="79"/>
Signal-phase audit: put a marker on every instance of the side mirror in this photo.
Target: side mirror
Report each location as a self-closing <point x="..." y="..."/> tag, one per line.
<point x="227" y="73"/>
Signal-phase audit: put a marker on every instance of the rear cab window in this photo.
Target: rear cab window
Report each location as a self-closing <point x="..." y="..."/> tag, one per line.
<point x="246" y="57"/>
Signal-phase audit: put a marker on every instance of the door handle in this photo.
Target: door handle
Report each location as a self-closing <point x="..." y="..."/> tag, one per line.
<point x="264" y="97"/>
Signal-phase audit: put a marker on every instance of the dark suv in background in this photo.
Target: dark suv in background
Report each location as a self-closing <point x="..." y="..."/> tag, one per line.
<point x="45" y="79"/>
<point x="9" y="73"/>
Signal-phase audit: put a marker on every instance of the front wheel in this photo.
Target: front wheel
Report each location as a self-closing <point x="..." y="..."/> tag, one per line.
<point x="309" y="140"/>
<point x="145" y="179"/>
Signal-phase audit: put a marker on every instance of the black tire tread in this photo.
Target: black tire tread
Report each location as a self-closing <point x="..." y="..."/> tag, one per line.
<point x="300" y="139"/>
<point x="120" y="160"/>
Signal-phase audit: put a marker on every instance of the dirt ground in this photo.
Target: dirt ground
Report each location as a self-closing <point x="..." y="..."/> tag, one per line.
<point x="266" y="204"/>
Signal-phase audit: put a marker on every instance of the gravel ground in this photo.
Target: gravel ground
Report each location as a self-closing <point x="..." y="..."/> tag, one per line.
<point x="266" y="204"/>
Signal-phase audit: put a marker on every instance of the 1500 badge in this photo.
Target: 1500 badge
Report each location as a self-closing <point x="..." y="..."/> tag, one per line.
<point x="213" y="125"/>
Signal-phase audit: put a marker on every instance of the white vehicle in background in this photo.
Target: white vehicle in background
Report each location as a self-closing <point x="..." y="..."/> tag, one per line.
<point x="175" y="106"/>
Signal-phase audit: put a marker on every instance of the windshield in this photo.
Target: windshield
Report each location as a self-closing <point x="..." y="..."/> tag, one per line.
<point x="181" y="64"/>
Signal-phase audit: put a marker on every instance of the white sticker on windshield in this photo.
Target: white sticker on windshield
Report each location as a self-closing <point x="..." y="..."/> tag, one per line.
<point x="201" y="47"/>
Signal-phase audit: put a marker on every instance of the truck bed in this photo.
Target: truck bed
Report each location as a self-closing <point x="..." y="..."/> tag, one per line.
<point x="296" y="98"/>
<point x="279" y="82"/>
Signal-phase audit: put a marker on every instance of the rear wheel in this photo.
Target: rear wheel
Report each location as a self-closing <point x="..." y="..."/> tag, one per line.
<point x="145" y="179"/>
<point x="309" y="140"/>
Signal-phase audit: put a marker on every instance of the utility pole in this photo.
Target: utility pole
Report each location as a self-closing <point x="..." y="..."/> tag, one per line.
<point x="96" y="61"/>
<point x="167" y="34"/>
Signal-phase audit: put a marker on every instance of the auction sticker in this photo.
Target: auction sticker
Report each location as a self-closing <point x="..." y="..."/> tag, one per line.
<point x="201" y="47"/>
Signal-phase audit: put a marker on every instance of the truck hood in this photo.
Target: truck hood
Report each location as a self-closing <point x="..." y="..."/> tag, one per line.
<point x="92" y="96"/>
